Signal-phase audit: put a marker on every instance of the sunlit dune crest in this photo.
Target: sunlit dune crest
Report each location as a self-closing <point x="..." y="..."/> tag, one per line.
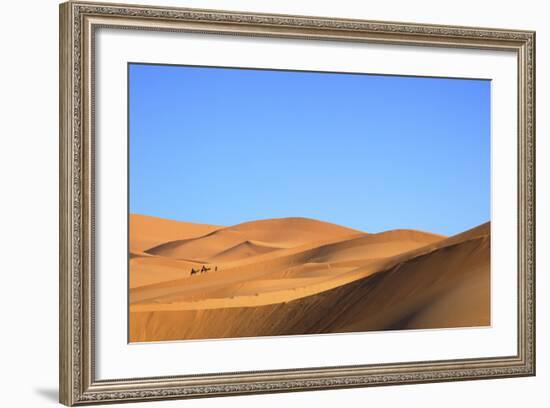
<point x="300" y="276"/>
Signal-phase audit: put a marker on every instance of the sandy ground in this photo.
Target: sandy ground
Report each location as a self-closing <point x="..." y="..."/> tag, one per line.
<point x="301" y="276"/>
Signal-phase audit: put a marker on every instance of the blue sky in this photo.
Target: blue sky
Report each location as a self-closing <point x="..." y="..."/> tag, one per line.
<point x="223" y="146"/>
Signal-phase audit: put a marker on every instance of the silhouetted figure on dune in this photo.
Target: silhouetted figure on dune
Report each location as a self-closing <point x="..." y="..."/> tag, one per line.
<point x="203" y="269"/>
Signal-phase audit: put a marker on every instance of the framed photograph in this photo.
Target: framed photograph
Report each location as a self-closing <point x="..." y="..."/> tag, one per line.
<point x="256" y="203"/>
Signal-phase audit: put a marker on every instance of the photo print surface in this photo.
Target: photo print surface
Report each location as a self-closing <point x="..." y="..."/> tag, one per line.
<point x="271" y="202"/>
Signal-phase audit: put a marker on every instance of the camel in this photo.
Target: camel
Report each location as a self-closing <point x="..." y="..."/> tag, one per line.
<point x="203" y="269"/>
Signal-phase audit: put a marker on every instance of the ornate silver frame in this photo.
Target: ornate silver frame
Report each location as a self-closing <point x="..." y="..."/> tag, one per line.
<point x="78" y="22"/>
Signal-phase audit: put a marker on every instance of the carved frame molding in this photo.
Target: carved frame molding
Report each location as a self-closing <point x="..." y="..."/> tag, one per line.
<point x="78" y="22"/>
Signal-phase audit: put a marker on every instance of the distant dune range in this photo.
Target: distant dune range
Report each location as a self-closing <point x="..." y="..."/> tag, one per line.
<point x="301" y="276"/>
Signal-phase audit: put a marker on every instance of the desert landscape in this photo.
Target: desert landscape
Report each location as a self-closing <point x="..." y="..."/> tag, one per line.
<point x="292" y="276"/>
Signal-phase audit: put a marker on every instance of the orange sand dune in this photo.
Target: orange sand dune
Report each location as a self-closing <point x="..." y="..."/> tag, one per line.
<point x="147" y="232"/>
<point x="301" y="276"/>
<point x="242" y="250"/>
<point x="283" y="233"/>
<point x="355" y="249"/>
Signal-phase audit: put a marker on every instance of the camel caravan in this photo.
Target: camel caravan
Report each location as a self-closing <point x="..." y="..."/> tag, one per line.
<point x="204" y="269"/>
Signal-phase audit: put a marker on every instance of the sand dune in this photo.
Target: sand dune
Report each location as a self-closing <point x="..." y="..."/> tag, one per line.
<point x="147" y="232"/>
<point x="242" y="250"/>
<point x="301" y="276"/>
<point x="283" y="233"/>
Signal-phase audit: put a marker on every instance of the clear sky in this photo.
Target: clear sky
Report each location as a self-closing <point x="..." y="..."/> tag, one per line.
<point x="223" y="146"/>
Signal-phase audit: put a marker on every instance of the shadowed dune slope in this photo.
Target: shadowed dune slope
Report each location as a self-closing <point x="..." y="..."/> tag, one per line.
<point x="336" y="280"/>
<point x="245" y="249"/>
<point x="280" y="232"/>
<point x="147" y="232"/>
